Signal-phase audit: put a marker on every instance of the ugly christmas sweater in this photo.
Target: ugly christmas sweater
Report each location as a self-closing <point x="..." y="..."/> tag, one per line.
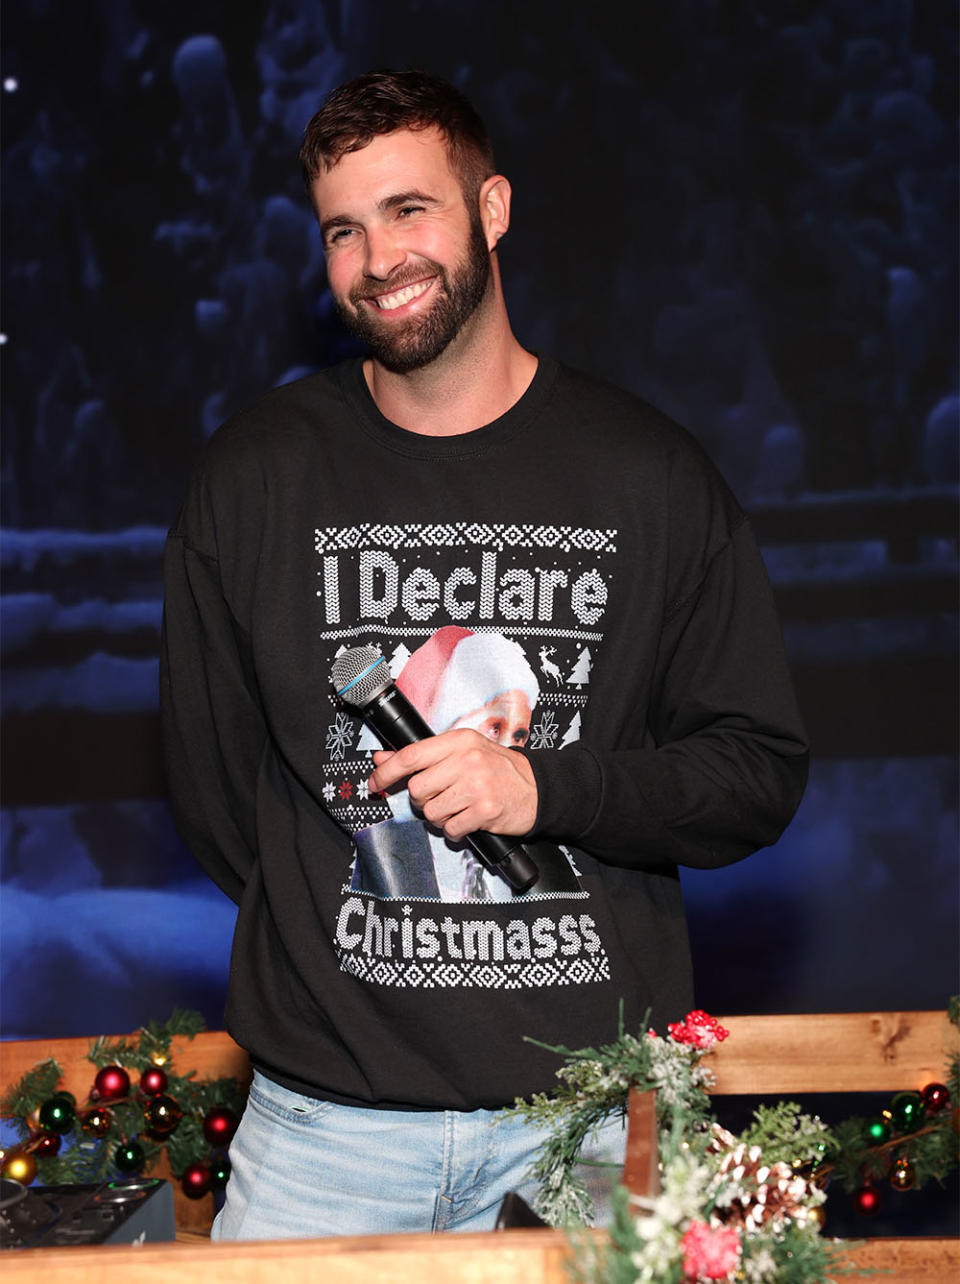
<point x="575" y="576"/>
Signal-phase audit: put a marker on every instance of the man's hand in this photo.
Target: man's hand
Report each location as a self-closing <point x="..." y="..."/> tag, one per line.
<point x="461" y="782"/>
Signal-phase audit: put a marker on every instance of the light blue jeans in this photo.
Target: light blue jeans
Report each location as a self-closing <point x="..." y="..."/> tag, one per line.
<point x="302" y="1167"/>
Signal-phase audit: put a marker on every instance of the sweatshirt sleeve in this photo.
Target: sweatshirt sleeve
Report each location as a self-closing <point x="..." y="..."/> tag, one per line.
<point x="722" y="760"/>
<point x="214" y="733"/>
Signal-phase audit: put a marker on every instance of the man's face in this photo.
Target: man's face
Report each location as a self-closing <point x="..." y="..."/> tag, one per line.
<point x="505" y="719"/>
<point x="407" y="262"/>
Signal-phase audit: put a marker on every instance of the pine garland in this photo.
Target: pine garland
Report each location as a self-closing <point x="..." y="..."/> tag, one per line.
<point x="92" y="1158"/>
<point x="744" y="1207"/>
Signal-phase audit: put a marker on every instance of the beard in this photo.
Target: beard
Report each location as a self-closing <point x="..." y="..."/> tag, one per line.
<point x="420" y="340"/>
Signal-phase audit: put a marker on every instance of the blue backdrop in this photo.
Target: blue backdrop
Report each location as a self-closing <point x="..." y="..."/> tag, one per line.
<point x="744" y="212"/>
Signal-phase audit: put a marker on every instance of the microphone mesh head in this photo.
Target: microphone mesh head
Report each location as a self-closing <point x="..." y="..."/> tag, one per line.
<point x="359" y="674"/>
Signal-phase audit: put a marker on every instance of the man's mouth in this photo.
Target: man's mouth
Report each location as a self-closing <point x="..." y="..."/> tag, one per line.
<point x="389" y="302"/>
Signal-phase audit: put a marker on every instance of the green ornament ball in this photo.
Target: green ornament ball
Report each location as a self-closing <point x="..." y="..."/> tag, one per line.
<point x="219" y="1173"/>
<point x="129" y="1157"/>
<point x="878" y="1130"/>
<point x="58" y="1114"/>
<point x="908" y="1111"/>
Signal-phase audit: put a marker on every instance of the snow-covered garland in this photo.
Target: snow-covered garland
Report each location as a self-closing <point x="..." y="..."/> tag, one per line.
<point x="730" y="1208"/>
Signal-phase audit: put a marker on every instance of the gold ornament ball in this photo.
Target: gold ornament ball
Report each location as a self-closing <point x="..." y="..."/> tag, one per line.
<point x="19" y="1166"/>
<point x="817" y="1216"/>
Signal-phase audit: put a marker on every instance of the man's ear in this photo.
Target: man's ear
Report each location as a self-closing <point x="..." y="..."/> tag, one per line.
<point x="495" y="208"/>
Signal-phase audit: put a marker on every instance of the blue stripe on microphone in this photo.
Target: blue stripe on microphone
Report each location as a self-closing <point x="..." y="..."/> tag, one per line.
<point x="360" y="676"/>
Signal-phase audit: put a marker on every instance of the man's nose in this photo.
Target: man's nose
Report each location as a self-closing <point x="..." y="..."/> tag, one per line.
<point x="384" y="253"/>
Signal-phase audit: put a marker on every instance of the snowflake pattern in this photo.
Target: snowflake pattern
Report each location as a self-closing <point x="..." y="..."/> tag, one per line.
<point x="346" y="790"/>
<point x="340" y="736"/>
<point x="544" y="733"/>
<point x="363" y="790"/>
<point x="329" y="790"/>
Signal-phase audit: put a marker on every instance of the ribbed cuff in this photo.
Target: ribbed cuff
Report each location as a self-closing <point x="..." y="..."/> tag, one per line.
<point x="569" y="785"/>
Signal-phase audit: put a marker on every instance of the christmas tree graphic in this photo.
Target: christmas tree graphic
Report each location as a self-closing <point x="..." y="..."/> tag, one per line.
<point x="580" y="674"/>
<point x="399" y="658"/>
<point x="573" y="731"/>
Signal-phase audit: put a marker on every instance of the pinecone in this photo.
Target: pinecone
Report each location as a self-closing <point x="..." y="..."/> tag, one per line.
<point x="753" y="1193"/>
<point x="720" y="1139"/>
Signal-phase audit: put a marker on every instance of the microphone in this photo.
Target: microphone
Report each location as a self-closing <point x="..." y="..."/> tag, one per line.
<point x="362" y="679"/>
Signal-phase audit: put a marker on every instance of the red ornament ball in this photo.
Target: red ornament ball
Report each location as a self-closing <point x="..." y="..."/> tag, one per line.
<point x="195" y="1181"/>
<point x="111" y="1082"/>
<point x="936" y="1096"/>
<point x="162" y="1114"/>
<point x="219" y="1125"/>
<point x="153" y="1081"/>
<point x="867" y="1201"/>
<point x="96" y="1121"/>
<point x="46" y="1145"/>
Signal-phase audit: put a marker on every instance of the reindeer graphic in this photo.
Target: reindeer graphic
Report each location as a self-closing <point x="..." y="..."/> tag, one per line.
<point x="547" y="666"/>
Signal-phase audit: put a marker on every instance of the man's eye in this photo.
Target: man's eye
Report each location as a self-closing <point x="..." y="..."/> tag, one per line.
<point x="409" y="209"/>
<point x="341" y="234"/>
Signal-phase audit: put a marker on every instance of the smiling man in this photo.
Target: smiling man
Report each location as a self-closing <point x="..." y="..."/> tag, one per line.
<point x="573" y="599"/>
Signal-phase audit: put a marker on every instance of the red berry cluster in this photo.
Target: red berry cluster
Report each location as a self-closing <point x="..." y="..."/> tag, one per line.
<point x="699" y="1029"/>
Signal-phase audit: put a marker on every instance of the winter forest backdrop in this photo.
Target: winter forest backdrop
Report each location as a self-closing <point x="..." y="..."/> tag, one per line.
<point x="745" y="212"/>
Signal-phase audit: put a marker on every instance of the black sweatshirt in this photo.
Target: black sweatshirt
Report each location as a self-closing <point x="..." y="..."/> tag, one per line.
<point x="586" y="546"/>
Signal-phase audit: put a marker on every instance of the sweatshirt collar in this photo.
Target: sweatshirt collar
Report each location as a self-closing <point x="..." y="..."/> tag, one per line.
<point x="353" y="385"/>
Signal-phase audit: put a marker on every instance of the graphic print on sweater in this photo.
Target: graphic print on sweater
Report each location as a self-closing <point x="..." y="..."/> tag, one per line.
<point x="529" y="604"/>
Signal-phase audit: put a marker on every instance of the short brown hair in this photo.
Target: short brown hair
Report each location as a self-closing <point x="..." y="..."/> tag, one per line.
<point x="381" y="102"/>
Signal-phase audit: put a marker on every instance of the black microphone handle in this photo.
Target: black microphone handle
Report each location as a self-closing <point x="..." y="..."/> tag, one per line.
<point x="396" y="721"/>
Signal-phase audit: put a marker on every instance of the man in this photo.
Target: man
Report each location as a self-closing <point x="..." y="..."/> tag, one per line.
<point x="451" y="479"/>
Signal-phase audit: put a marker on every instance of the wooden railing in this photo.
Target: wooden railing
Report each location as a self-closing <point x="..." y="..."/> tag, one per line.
<point x="858" y="1052"/>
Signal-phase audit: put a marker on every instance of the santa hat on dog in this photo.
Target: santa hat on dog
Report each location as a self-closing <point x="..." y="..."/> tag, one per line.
<point x="457" y="671"/>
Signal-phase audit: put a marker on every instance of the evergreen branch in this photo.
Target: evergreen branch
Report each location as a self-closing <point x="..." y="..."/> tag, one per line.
<point x="83" y="1158"/>
<point x="36" y="1085"/>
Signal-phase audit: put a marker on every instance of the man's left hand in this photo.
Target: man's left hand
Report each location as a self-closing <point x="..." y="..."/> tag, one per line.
<point x="462" y="782"/>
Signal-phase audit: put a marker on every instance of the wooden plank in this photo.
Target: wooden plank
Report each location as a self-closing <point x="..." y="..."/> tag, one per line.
<point x="508" y="1257"/>
<point x="909" y="1261"/>
<point x="809" y="1052"/>
<point x="641" y="1168"/>
<point x="833" y="1052"/>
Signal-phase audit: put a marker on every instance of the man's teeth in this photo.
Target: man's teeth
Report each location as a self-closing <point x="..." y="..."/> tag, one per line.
<point x="387" y="302"/>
